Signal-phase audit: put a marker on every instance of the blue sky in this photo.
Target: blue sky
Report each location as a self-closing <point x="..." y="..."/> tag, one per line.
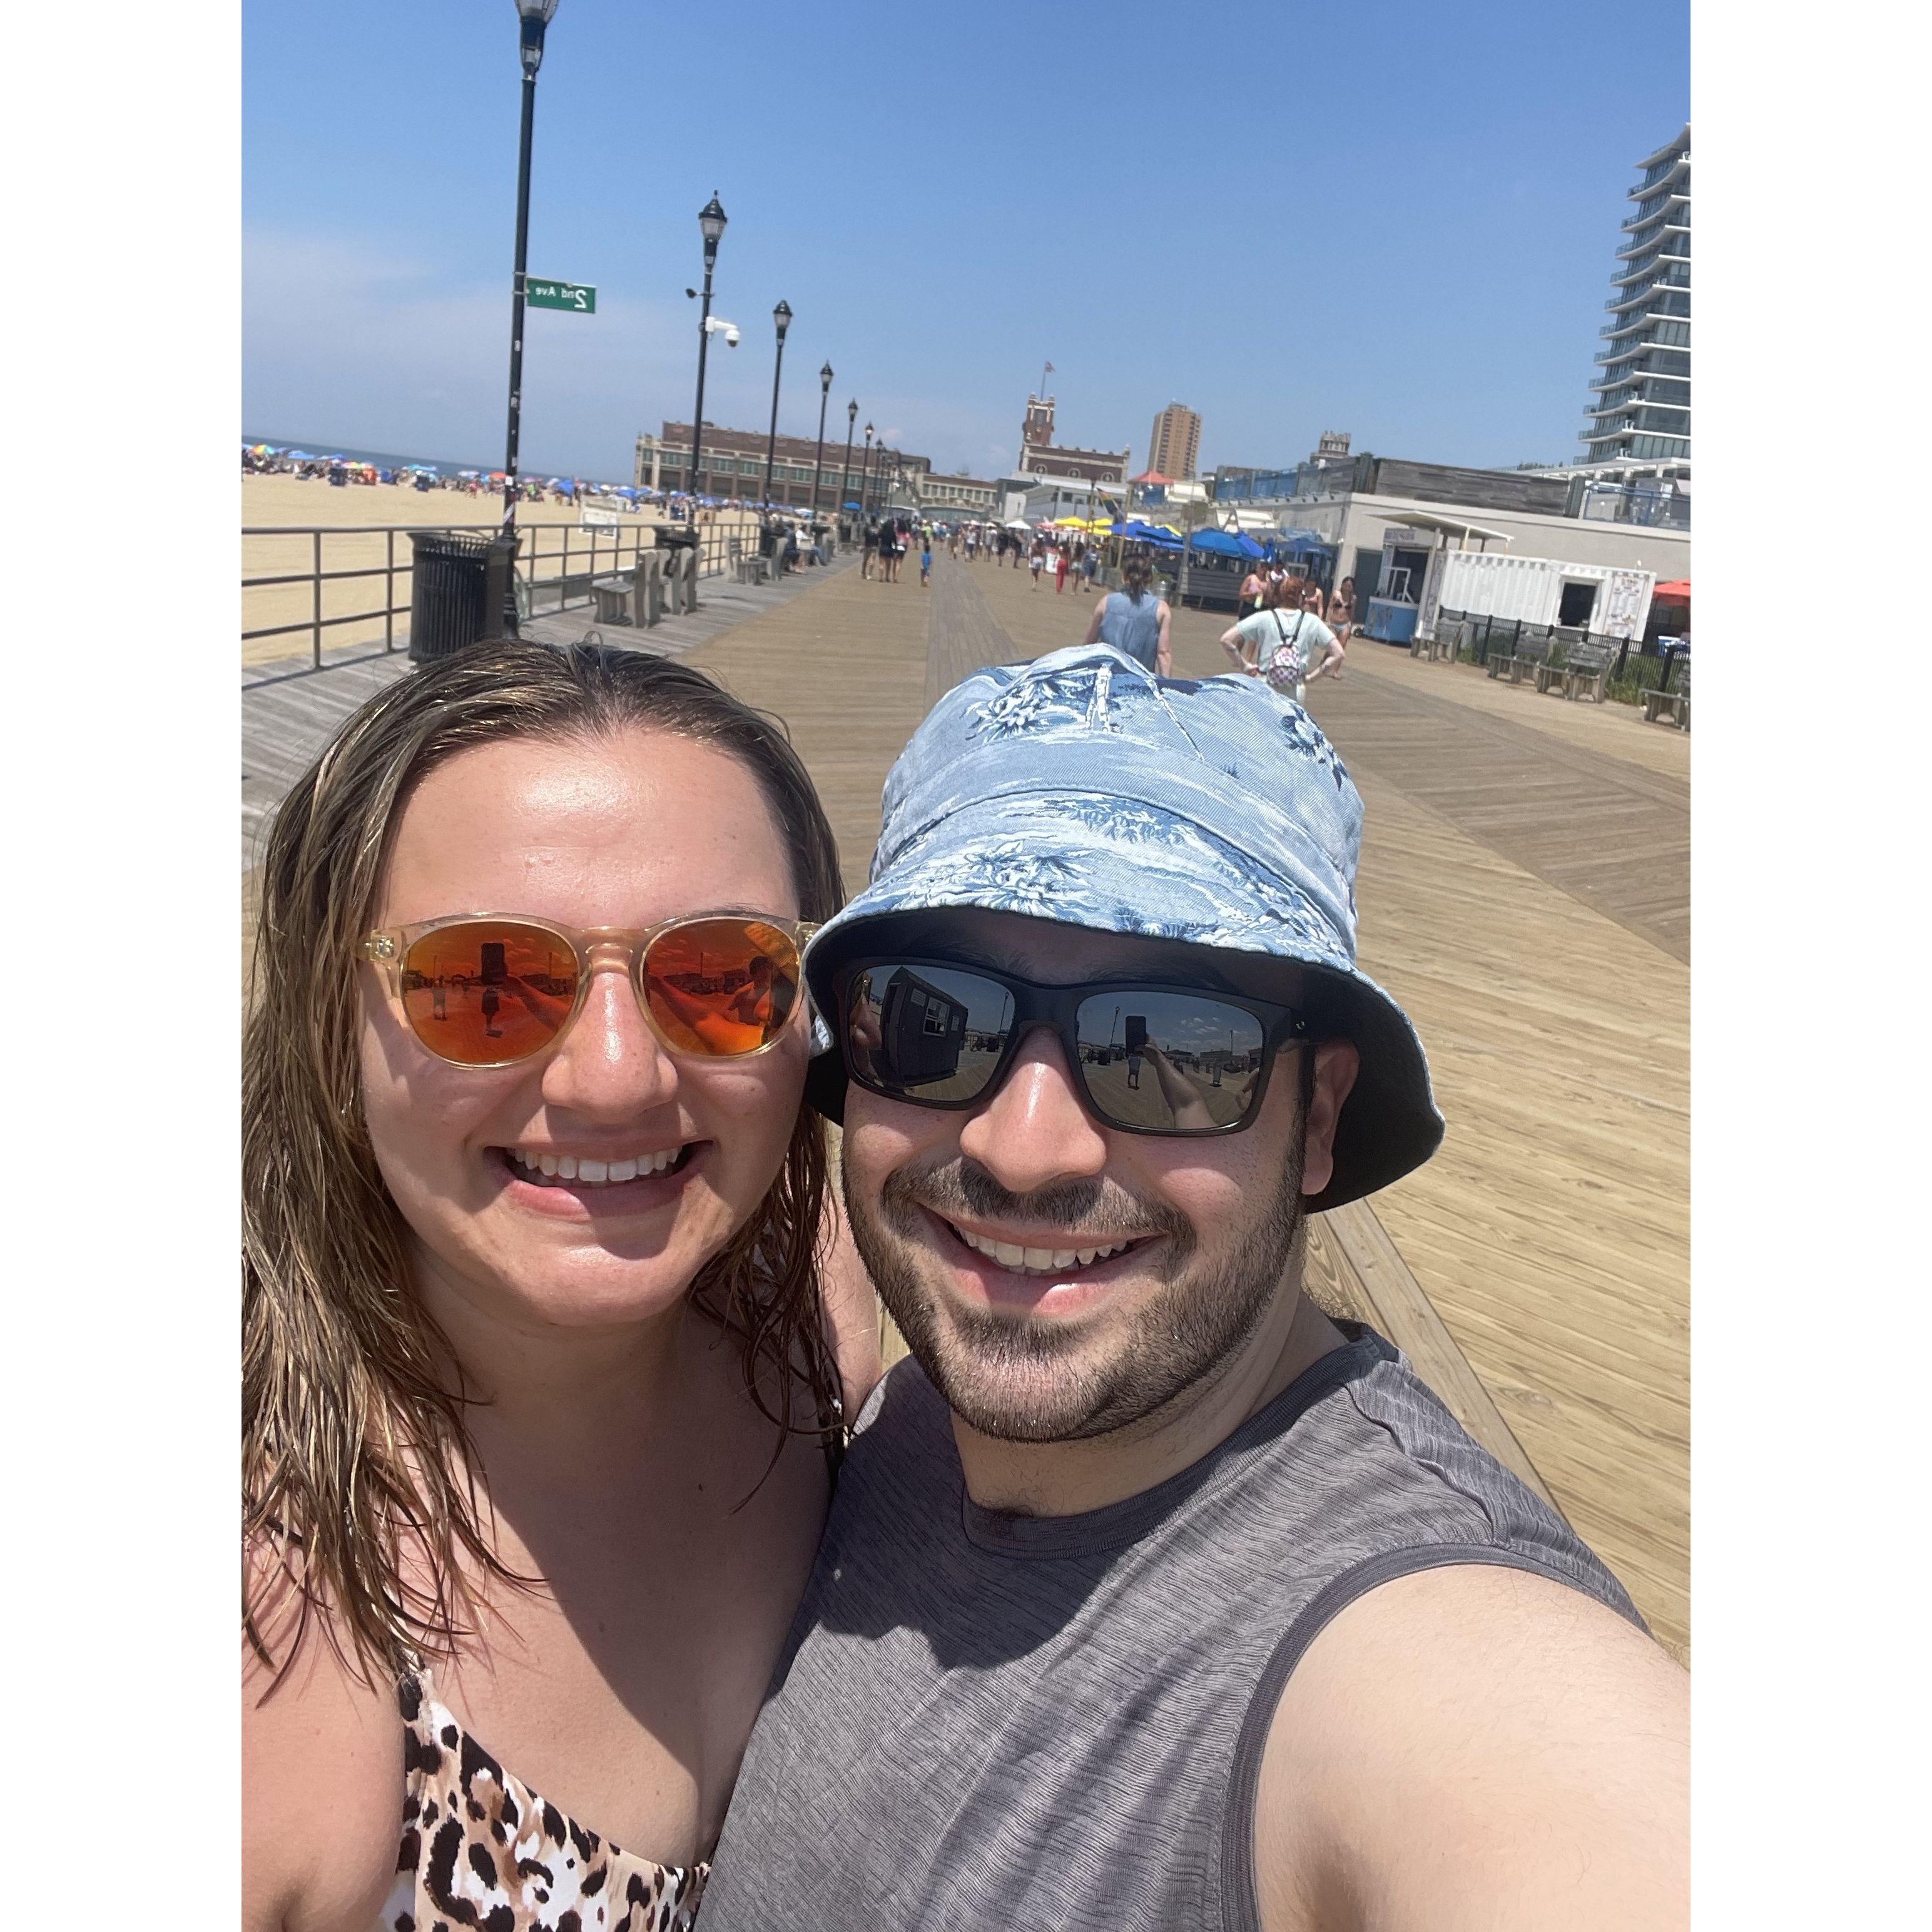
<point x="1394" y="219"/>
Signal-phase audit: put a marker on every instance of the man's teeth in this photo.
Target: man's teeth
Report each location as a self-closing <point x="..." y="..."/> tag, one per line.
<point x="1038" y="1261"/>
<point x="596" y="1173"/>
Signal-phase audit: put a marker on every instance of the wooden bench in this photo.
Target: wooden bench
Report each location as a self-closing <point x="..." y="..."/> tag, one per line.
<point x="1531" y="654"/>
<point x="1446" y="643"/>
<point x="1588" y="662"/>
<point x="753" y="569"/>
<point x="1678" y="701"/>
<point x="613" y="597"/>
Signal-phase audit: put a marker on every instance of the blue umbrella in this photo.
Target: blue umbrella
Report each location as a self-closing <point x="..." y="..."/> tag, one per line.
<point x="1224" y="543"/>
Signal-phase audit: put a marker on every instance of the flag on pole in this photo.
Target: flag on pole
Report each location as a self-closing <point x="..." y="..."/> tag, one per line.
<point x="1049" y="368"/>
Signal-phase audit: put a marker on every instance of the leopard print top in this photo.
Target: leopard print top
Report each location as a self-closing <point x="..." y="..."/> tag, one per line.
<point x="480" y="1850"/>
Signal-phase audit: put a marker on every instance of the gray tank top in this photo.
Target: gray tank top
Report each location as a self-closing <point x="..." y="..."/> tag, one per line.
<point x="1131" y="627"/>
<point x="1055" y="1724"/>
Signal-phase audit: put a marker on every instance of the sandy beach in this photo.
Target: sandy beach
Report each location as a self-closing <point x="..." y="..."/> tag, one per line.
<point x="364" y="525"/>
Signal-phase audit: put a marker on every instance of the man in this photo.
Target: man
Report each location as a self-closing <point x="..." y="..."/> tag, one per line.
<point x="1151" y="1597"/>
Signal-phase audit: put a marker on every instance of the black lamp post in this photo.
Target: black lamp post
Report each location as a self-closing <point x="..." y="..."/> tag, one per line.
<point x="711" y="225"/>
<point x="781" y="316"/>
<point x="534" y="16"/>
<point x="865" y="477"/>
<point x="845" y="475"/>
<point x="818" y="461"/>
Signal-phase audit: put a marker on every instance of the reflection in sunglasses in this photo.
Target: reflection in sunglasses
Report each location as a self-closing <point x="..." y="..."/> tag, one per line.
<point x="1147" y="1058"/>
<point x="483" y="992"/>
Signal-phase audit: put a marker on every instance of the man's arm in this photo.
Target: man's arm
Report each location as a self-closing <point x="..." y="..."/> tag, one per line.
<point x="1476" y="1749"/>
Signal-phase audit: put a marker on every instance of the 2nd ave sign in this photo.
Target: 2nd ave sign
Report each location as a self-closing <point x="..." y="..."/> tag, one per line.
<point x="575" y="296"/>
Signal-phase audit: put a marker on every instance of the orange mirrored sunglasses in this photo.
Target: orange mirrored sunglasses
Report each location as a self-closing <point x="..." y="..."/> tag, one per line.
<point x="479" y="990"/>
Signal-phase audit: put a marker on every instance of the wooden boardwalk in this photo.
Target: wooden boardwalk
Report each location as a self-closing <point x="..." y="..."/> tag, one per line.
<point x="289" y="709"/>
<point x="1524" y="890"/>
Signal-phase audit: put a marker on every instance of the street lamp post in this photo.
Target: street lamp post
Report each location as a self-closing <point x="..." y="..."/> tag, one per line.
<point x="818" y="461"/>
<point x="533" y="16"/>
<point x="865" y="479"/>
<point x="845" y="475"/>
<point x="781" y="316"/>
<point x="711" y="226"/>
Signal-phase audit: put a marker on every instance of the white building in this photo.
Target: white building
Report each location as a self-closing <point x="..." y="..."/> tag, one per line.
<point x="1640" y="411"/>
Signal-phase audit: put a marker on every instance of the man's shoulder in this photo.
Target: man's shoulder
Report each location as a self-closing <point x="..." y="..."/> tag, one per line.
<point x="1478" y="1740"/>
<point x="903" y="1406"/>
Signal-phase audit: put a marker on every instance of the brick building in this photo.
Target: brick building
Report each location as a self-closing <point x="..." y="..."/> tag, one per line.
<point x="1039" y="456"/>
<point x="734" y="462"/>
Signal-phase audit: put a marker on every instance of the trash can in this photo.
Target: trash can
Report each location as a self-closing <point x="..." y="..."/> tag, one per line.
<point x="458" y="591"/>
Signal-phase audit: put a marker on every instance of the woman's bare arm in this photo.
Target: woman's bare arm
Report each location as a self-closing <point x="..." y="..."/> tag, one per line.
<point x="1163" y="652"/>
<point x="322" y="1786"/>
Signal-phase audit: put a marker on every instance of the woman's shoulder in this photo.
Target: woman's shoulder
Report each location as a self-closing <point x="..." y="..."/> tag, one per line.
<point x="322" y="1775"/>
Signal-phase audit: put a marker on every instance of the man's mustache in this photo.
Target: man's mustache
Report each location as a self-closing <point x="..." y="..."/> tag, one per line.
<point x="1096" y="1208"/>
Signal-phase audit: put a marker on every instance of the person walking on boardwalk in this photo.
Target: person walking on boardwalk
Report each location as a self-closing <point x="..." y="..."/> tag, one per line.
<point x="1153" y="1598"/>
<point x="926" y="560"/>
<point x="1059" y="563"/>
<point x="888" y="546"/>
<point x="1316" y="605"/>
<point x="1134" y="620"/>
<point x="1284" y="643"/>
<point x="1037" y="560"/>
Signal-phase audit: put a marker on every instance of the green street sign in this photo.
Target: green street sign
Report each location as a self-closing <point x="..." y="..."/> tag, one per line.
<point x="574" y="296"/>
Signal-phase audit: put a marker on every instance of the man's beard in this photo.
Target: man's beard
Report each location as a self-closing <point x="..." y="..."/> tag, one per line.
<point x="1019" y="1379"/>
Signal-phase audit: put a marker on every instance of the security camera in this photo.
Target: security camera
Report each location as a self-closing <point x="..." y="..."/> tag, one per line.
<point x="730" y="337"/>
<point x="716" y="324"/>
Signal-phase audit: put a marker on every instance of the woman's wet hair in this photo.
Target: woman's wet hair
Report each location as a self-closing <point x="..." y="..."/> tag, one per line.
<point x="359" y="1484"/>
<point x="1135" y="575"/>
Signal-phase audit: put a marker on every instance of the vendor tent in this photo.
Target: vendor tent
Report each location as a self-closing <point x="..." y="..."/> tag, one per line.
<point x="1676" y="591"/>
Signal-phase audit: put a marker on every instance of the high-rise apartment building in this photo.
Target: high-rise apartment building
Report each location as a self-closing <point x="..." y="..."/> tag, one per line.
<point x="1174" y="449"/>
<point x="1641" y="409"/>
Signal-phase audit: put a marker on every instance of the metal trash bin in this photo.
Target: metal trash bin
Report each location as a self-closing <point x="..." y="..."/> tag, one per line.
<point x="458" y="588"/>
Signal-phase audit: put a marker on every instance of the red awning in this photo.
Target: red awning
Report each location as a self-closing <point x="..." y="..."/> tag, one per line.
<point x="1677" y="592"/>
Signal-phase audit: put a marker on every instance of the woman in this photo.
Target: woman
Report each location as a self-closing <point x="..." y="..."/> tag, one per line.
<point x="1037" y="560"/>
<point x="1134" y="620"/>
<point x="539" y="1389"/>
<point x="1254" y="590"/>
<point x="1341" y="610"/>
<point x="1284" y="643"/>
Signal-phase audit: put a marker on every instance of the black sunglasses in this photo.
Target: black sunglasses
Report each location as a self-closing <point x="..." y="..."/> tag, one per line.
<point x="1146" y="1058"/>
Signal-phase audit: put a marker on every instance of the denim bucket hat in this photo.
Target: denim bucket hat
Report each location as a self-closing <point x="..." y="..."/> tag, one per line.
<point x="1081" y="788"/>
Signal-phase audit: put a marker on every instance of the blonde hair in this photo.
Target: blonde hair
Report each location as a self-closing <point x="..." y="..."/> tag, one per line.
<point x="358" y="1481"/>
